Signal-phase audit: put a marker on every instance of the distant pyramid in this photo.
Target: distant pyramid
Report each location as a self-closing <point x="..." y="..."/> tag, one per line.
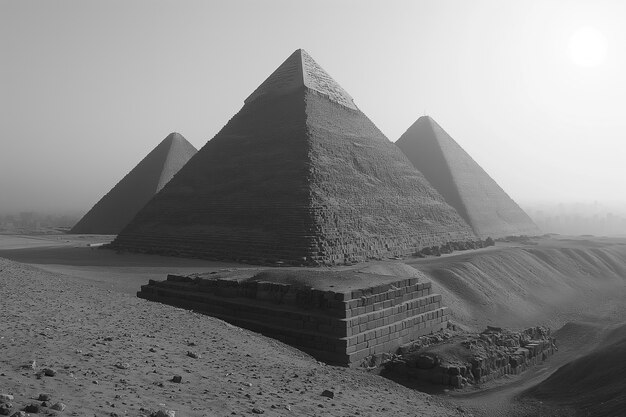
<point x="299" y="175"/>
<point x="463" y="183"/>
<point x="121" y="204"/>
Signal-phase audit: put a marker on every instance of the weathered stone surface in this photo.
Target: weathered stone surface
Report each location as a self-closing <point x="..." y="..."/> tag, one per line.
<point x="341" y="317"/>
<point x="462" y="182"/>
<point x="299" y="175"/>
<point x="5" y="408"/>
<point x="425" y="362"/>
<point x="58" y="406"/>
<point x="118" y="207"/>
<point x="457" y="359"/>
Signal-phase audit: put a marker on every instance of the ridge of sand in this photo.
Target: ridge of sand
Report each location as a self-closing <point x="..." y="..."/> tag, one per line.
<point x="594" y="384"/>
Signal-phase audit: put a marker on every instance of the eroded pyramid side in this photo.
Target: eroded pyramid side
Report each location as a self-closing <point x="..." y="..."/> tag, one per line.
<point x="369" y="200"/>
<point x="463" y="183"/>
<point x="243" y="196"/>
<point x="117" y="208"/>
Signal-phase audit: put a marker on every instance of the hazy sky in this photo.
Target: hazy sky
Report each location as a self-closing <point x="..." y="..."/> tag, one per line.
<point x="535" y="91"/>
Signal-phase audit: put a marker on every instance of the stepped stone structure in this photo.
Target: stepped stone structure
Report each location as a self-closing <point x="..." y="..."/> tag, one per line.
<point x="463" y="183"/>
<point x="118" y="207"/>
<point x="340" y="317"/>
<point x="299" y="175"/>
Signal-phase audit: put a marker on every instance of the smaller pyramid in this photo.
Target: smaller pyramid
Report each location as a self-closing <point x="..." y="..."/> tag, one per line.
<point x="118" y="207"/>
<point x="463" y="183"/>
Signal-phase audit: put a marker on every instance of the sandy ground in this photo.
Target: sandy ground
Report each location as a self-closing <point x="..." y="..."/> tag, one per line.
<point x="116" y="354"/>
<point x="61" y="312"/>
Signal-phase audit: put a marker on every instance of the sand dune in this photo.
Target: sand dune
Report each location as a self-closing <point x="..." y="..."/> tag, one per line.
<point x="594" y="384"/>
<point x="551" y="283"/>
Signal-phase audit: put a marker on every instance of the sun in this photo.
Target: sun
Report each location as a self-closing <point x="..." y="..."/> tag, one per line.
<point x="588" y="47"/>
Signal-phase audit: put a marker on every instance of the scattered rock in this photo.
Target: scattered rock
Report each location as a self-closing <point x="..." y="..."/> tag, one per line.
<point x="44" y="397"/>
<point x="32" y="408"/>
<point x="19" y="414"/>
<point x="164" y="413"/>
<point x="5" y="398"/>
<point x="328" y="394"/>
<point x="192" y="354"/>
<point x="177" y="379"/>
<point x="122" y="365"/>
<point x="256" y="410"/>
<point x="5" y="408"/>
<point x="58" y="406"/>
<point x="49" y="372"/>
<point x="152" y="350"/>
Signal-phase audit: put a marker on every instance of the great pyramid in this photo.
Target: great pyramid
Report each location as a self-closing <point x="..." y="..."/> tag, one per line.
<point x="463" y="183"/>
<point x="298" y="175"/>
<point x="118" y="207"/>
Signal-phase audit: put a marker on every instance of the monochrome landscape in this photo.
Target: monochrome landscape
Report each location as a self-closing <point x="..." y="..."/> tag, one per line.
<point x="289" y="258"/>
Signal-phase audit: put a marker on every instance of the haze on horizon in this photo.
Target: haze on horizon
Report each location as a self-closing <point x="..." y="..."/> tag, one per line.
<point x="533" y="90"/>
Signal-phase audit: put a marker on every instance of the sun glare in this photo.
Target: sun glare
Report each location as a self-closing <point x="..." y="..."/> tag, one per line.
<point x="588" y="47"/>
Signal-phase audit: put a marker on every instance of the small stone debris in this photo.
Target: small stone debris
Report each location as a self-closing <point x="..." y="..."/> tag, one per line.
<point x="5" y="408"/>
<point x="108" y="339"/>
<point x="58" y="407"/>
<point x="32" y="408"/>
<point x="256" y="410"/>
<point x="122" y="365"/>
<point x="328" y="394"/>
<point x="44" y="397"/>
<point x="177" y="379"/>
<point x="5" y="398"/>
<point x="164" y="413"/>
<point x="19" y="414"/>
<point x="49" y="372"/>
<point x="193" y="355"/>
<point x="288" y="407"/>
<point x="152" y="350"/>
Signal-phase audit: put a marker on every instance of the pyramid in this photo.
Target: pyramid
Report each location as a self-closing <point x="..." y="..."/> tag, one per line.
<point x="463" y="183"/>
<point x="298" y="175"/>
<point x="121" y="204"/>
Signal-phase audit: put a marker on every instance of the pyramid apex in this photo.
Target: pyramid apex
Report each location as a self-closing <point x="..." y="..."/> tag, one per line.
<point x="300" y="70"/>
<point x="425" y="118"/>
<point x="175" y="135"/>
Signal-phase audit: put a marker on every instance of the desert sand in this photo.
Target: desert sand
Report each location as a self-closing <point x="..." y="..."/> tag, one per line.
<point x="73" y="308"/>
<point x="115" y="353"/>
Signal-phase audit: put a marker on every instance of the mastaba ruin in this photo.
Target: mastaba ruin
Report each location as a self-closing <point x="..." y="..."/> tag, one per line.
<point x="118" y="207"/>
<point x="463" y="183"/>
<point x="299" y="175"/>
